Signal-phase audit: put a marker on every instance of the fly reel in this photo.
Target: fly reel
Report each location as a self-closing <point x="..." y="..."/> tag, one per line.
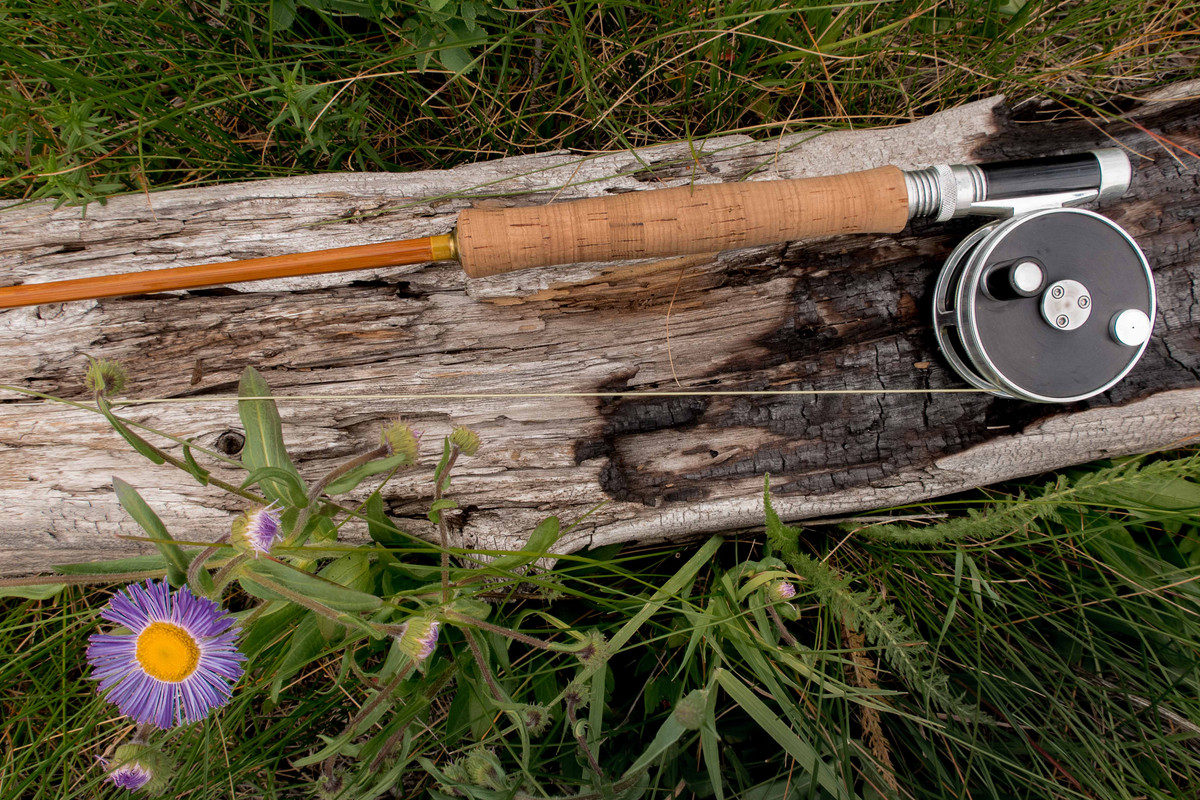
<point x="1051" y="306"/>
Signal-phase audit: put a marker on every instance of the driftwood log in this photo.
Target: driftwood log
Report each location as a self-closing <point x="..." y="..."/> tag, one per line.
<point x="848" y="313"/>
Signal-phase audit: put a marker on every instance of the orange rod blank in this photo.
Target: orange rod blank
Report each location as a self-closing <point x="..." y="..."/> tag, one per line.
<point x="693" y="219"/>
<point x="341" y="259"/>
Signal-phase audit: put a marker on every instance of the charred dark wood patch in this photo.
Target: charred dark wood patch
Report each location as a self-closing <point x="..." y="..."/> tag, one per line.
<point x="859" y="318"/>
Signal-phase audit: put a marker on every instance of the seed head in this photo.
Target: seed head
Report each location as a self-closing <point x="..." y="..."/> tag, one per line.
<point x="466" y="440"/>
<point x="105" y="377"/>
<point x="400" y="439"/>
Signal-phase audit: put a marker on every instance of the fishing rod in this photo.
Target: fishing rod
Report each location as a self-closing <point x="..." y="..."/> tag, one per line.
<point x="1049" y="303"/>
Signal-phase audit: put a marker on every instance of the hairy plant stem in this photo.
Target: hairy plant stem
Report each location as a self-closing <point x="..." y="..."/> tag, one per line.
<point x="314" y="493"/>
<point x="318" y="488"/>
<point x="299" y="599"/>
<point x="369" y="706"/>
<point x="141" y="734"/>
<point x="380" y="696"/>
<point x="225" y="573"/>
<point x="83" y="580"/>
<point x="390" y="745"/>
<point x="571" y="702"/>
<point x="102" y="406"/>
<point x="486" y="671"/>
<point x="197" y="564"/>
<point x="440" y="480"/>
<point x="783" y="632"/>
<point x="516" y="636"/>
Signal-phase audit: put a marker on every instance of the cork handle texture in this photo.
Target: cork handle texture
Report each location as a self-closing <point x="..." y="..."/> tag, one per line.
<point x="690" y="219"/>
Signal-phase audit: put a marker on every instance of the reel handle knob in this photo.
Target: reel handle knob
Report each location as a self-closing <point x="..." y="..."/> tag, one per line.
<point x="1025" y="277"/>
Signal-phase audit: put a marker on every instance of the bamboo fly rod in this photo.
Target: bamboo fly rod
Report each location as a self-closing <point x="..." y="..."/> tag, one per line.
<point x="657" y="223"/>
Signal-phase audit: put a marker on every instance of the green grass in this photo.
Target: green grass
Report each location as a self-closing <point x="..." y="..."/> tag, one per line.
<point x="1044" y="643"/>
<point x="1071" y="644"/>
<point x="110" y="97"/>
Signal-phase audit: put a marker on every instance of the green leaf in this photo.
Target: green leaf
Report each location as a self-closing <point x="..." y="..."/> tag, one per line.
<point x="805" y="754"/>
<point x="470" y="607"/>
<point x="320" y="590"/>
<point x="283" y="13"/>
<point x="710" y="745"/>
<point x="270" y="627"/>
<point x="118" y="565"/>
<point x="438" y="506"/>
<point x="674" y="585"/>
<point x="40" y="592"/>
<point x="354" y="477"/>
<point x="668" y="733"/>
<point x="198" y="472"/>
<point x="289" y="482"/>
<point x="143" y="515"/>
<point x="1149" y="493"/>
<point x="352" y="570"/>
<point x="456" y="59"/>
<point x="544" y="537"/>
<point x="137" y="442"/>
<point x="264" y="433"/>
<point x="379" y="527"/>
<point x="306" y="646"/>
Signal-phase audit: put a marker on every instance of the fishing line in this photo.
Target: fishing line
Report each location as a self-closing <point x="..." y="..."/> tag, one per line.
<point x="417" y="396"/>
<point x="635" y="395"/>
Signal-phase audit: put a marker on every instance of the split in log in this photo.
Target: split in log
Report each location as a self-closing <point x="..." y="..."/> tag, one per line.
<point x="846" y="314"/>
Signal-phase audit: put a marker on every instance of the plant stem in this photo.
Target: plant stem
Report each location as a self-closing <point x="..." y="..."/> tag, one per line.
<point x="142" y="733"/>
<point x="394" y="739"/>
<point x="314" y="493"/>
<point x="221" y="579"/>
<point x="783" y="632"/>
<point x="516" y="636"/>
<point x="571" y="702"/>
<point x="497" y="692"/>
<point x="440" y="480"/>
<point x="299" y="599"/>
<point x="380" y="696"/>
<point x="205" y="554"/>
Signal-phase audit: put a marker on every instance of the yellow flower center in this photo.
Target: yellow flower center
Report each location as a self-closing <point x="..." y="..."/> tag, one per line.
<point x="167" y="652"/>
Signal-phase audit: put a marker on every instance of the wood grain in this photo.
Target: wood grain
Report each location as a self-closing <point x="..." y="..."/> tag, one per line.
<point x="844" y="313"/>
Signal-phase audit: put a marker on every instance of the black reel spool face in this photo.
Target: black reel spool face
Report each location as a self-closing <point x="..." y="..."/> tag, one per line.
<point x="1052" y="306"/>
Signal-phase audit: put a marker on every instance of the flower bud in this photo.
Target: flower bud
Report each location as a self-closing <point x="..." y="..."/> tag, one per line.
<point x="419" y="638"/>
<point x="575" y="696"/>
<point x="466" y="440"/>
<point x="593" y="649"/>
<point x="136" y="766"/>
<point x="329" y="787"/>
<point x="689" y="712"/>
<point x="535" y="718"/>
<point x="105" y="377"/>
<point x="781" y="591"/>
<point x="401" y="440"/>
<point x="484" y="769"/>
<point x="257" y="531"/>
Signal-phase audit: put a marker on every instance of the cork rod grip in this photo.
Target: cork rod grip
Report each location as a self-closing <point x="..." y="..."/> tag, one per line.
<point x="667" y="222"/>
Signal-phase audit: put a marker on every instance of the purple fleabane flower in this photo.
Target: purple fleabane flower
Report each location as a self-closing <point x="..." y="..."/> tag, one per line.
<point x="177" y="662"/>
<point x="137" y="766"/>
<point x="782" y="591"/>
<point x="132" y="776"/>
<point x="258" y="531"/>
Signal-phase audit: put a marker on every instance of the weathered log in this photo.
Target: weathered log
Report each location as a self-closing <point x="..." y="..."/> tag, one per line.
<point x="847" y="313"/>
